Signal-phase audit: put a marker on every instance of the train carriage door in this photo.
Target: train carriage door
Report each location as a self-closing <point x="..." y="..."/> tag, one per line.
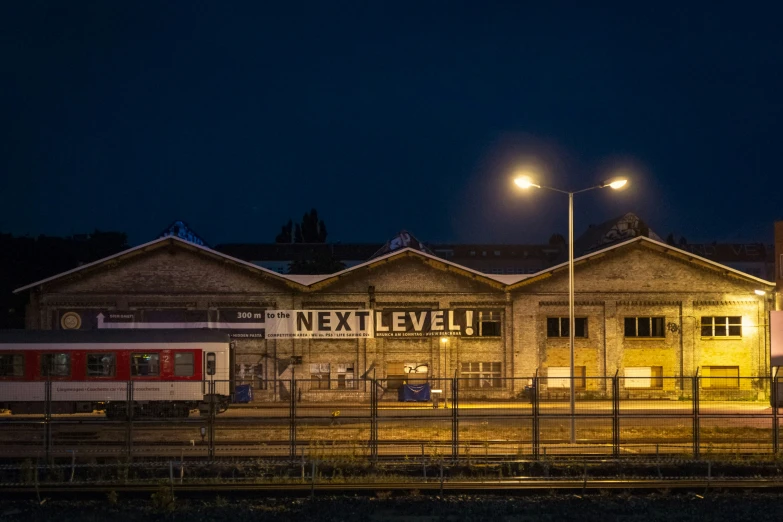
<point x="210" y="367"/>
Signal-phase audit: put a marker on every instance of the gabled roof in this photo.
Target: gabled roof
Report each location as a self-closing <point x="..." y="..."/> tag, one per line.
<point x="497" y="281"/>
<point x="666" y="248"/>
<point x="315" y="282"/>
<point x="157" y="243"/>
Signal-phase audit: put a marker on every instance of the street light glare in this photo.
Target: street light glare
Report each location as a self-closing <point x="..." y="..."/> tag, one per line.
<point x="524" y="182"/>
<point x="614" y="183"/>
<point x="760" y="292"/>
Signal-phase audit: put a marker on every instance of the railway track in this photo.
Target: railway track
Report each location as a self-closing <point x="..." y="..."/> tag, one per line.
<point x="432" y="486"/>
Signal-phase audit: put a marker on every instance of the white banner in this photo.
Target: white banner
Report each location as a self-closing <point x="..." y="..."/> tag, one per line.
<point x="318" y="324"/>
<point x="638" y="377"/>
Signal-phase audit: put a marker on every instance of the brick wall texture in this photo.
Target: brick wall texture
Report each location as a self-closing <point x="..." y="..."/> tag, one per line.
<point x="634" y="280"/>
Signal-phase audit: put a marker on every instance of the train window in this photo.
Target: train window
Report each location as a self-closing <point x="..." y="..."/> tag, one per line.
<point x="145" y="364"/>
<point x="55" y="364"/>
<point x="211" y="363"/>
<point x="100" y="365"/>
<point x="11" y="365"/>
<point x="183" y="364"/>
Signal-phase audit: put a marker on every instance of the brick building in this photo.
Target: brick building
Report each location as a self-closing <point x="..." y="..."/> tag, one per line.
<point x="645" y="310"/>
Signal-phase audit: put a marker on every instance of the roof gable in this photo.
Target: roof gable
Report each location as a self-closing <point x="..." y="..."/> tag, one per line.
<point x="156" y="245"/>
<point x="659" y="246"/>
<point x="495" y="281"/>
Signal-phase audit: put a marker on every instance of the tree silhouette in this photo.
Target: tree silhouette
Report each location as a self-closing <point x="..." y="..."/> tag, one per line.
<point x="285" y="233"/>
<point x="309" y="230"/>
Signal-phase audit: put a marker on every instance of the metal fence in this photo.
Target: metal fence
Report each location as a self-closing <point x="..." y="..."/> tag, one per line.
<point x="434" y="419"/>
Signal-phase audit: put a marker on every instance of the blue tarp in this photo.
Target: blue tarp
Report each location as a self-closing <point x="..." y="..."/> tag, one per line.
<point x="413" y="392"/>
<point x="243" y="393"/>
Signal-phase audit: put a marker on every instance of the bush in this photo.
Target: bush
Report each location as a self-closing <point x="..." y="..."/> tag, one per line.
<point x="163" y="500"/>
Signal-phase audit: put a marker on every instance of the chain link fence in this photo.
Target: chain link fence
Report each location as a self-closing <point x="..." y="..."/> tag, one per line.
<point x="364" y="420"/>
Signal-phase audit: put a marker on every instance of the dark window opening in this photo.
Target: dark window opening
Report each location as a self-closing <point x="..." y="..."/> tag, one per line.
<point x="55" y="364"/>
<point x="558" y="327"/>
<point x="644" y="327"/>
<point x="100" y="365"/>
<point x="11" y="365"/>
<point x="145" y="364"/>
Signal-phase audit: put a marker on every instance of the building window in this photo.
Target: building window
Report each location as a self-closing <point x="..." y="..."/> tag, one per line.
<point x="345" y="376"/>
<point x="100" y="364"/>
<point x="559" y="377"/>
<point x="489" y="323"/>
<point x="481" y="375"/>
<point x="183" y="365"/>
<point x="497" y="252"/>
<point x="145" y="364"/>
<point x="643" y="377"/>
<point x="720" y="377"/>
<point x="644" y="327"/>
<point x="55" y="364"/>
<point x="721" y="326"/>
<point x="12" y="365"/>
<point x="319" y="373"/>
<point x="558" y="327"/>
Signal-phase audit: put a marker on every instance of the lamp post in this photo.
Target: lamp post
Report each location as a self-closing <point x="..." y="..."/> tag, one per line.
<point x="526" y="182"/>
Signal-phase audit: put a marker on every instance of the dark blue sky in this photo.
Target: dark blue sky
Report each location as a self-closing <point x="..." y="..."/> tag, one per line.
<point x="235" y="116"/>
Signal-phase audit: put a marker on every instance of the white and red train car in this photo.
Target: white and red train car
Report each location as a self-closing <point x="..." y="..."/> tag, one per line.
<point x="163" y="373"/>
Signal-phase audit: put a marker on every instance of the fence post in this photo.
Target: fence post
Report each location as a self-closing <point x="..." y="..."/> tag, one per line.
<point x="374" y="421"/>
<point x="47" y="417"/>
<point x="696" y="435"/>
<point x="535" y="401"/>
<point x="616" y="414"/>
<point x="292" y="419"/>
<point x="212" y="414"/>
<point x="129" y="420"/>
<point x="455" y="419"/>
<point x="774" y="402"/>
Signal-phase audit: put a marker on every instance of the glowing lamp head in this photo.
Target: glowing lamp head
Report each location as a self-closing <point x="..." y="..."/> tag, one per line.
<point x="760" y="292"/>
<point x="524" y="182"/>
<point x="614" y="183"/>
<point x="444" y="340"/>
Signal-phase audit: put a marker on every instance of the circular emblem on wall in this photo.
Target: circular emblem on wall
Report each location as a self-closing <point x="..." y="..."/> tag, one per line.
<point x="71" y="321"/>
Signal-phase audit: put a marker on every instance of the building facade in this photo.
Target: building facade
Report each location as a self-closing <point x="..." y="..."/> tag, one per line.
<point x="645" y="311"/>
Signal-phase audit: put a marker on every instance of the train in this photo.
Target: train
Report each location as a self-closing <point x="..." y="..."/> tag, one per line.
<point x="161" y="373"/>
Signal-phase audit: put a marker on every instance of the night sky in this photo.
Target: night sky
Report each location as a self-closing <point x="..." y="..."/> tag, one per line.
<point x="235" y="116"/>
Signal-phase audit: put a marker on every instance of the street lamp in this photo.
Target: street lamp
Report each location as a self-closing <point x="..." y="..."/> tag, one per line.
<point x="443" y="342"/>
<point x="526" y="182"/>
